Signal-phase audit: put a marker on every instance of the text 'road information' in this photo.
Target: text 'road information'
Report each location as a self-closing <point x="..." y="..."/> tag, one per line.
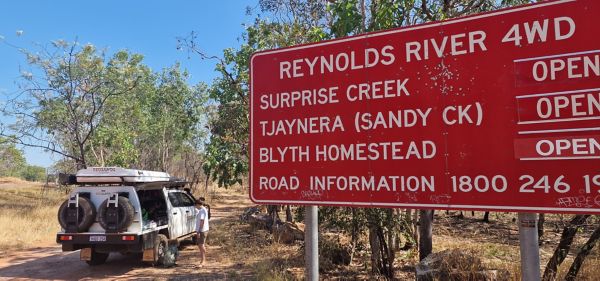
<point x="497" y="111"/>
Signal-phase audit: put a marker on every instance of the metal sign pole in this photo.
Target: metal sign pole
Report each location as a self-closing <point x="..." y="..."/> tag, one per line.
<point x="530" y="249"/>
<point x="311" y="243"/>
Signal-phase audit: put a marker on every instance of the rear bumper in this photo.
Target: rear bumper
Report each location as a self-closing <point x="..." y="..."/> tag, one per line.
<point x="93" y="239"/>
<point x="112" y="242"/>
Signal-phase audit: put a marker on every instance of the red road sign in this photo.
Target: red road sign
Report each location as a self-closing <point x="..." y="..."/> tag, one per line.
<point x="496" y="111"/>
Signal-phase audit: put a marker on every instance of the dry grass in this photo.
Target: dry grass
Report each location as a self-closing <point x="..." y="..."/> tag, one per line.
<point x="589" y="270"/>
<point x="497" y="243"/>
<point x="12" y="180"/>
<point x="236" y="244"/>
<point x="26" y="218"/>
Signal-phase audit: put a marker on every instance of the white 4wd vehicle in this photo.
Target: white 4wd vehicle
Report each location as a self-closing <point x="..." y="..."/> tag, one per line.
<point x="126" y="211"/>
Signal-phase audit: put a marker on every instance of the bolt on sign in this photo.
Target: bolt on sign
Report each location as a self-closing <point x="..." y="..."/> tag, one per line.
<point x="495" y="111"/>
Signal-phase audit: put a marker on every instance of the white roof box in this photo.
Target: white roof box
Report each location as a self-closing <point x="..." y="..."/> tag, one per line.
<point x="119" y="175"/>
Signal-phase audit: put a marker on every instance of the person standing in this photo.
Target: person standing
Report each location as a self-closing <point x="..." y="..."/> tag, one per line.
<point x="201" y="228"/>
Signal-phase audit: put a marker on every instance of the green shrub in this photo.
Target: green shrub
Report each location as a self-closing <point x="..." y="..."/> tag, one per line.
<point x="33" y="173"/>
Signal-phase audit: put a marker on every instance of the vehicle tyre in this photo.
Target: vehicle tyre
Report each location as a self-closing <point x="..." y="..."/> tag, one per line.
<point x="87" y="214"/>
<point x="97" y="258"/>
<point x="125" y="210"/>
<point x="161" y="246"/>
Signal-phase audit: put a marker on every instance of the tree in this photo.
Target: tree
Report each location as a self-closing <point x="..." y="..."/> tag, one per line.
<point x="226" y="153"/>
<point x="585" y="251"/>
<point x="95" y="109"/>
<point x="115" y="141"/>
<point x="382" y="226"/>
<point x="561" y="251"/>
<point x="60" y="109"/>
<point x="33" y="173"/>
<point x="425" y="233"/>
<point x="12" y="160"/>
<point x="151" y="126"/>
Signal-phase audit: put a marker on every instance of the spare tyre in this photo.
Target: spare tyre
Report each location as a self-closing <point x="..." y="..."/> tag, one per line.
<point x="86" y="210"/>
<point x="125" y="217"/>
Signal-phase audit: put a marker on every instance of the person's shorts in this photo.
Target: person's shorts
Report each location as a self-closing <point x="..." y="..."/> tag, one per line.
<point x="201" y="239"/>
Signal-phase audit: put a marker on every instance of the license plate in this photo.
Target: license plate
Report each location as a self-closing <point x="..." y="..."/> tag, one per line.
<point x="98" y="238"/>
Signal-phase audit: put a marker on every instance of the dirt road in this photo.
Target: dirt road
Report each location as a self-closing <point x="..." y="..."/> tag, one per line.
<point x="50" y="263"/>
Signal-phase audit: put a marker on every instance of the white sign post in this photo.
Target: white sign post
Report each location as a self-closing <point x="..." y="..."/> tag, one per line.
<point x="311" y="243"/>
<point x="530" y="249"/>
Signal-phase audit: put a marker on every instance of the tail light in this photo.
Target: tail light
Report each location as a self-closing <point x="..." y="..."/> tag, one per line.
<point x="128" y="238"/>
<point x="66" y="238"/>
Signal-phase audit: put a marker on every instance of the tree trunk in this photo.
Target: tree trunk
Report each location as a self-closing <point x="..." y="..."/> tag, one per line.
<point x="375" y="254"/>
<point x="206" y="185"/>
<point x="387" y="255"/>
<point x="288" y="214"/>
<point x="274" y="215"/>
<point x="425" y="233"/>
<point x="81" y="162"/>
<point x="353" y="234"/>
<point x="566" y="239"/>
<point x="363" y="26"/>
<point x="415" y="227"/>
<point x="400" y="230"/>
<point x="81" y="145"/>
<point x="408" y="231"/>
<point x="486" y="217"/>
<point x="382" y="259"/>
<point x="585" y="251"/>
<point x="541" y="220"/>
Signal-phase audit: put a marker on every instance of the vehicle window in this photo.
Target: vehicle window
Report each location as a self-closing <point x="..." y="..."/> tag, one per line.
<point x="175" y="200"/>
<point x="186" y="200"/>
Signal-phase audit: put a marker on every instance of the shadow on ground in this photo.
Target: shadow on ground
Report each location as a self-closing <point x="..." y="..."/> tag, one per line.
<point x="51" y="263"/>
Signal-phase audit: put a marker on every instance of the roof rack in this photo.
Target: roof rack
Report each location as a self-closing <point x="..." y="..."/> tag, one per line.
<point x="173" y="183"/>
<point x="115" y="175"/>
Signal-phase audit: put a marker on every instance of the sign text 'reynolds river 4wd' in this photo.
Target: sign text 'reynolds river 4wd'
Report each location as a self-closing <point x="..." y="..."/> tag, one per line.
<point x="496" y="111"/>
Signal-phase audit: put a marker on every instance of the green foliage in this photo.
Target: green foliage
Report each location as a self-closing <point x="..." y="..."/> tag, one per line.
<point x="12" y="160"/>
<point x="152" y="125"/>
<point x="33" y="173"/>
<point x="291" y="22"/>
<point x="227" y="151"/>
<point x="100" y="110"/>
<point x="390" y="14"/>
<point x="13" y="163"/>
<point x="347" y="18"/>
<point x="60" y="108"/>
<point x="172" y="117"/>
<point x="113" y="140"/>
<point x="433" y="10"/>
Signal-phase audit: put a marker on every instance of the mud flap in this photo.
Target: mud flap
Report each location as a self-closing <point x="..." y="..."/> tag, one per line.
<point x="68" y="247"/>
<point x="85" y="254"/>
<point x="148" y="255"/>
<point x="148" y="241"/>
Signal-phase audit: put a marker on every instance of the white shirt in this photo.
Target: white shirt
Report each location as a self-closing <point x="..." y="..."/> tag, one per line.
<point x="201" y="214"/>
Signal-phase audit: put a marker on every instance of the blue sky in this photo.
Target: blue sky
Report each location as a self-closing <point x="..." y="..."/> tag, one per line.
<point x="147" y="27"/>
